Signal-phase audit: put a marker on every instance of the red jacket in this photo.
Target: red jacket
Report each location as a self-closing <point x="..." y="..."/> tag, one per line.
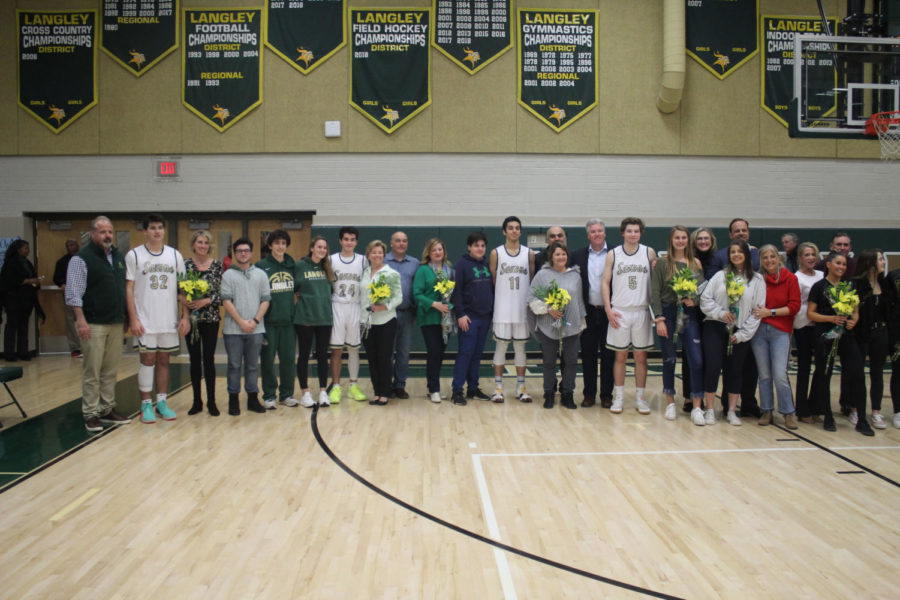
<point x="784" y="292"/>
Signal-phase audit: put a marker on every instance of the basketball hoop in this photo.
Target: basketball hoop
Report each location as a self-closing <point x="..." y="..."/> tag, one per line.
<point x="886" y="126"/>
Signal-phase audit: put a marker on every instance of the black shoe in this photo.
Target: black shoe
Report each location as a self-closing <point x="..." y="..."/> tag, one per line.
<point x="93" y="424"/>
<point x="588" y="402"/>
<point x="568" y="403"/>
<point x="829" y="424"/>
<point x="864" y="428"/>
<point x="10" y="357"/>
<point x="605" y="402"/>
<point x="457" y="398"/>
<point x="401" y="394"/>
<point x="477" y="394"/>
<point x="549" y="398"/>
<point x="751" y="411"/>
<point x="687" y="407"/>
<point x="196" y="407"/>
<point x="211" y="407"/>
<point x="114" y="418"/>
<point x="253" y="404"/>
<point x="845" y="410"/>
<point x="234" y="406"/>
<point x="24" y="356"/>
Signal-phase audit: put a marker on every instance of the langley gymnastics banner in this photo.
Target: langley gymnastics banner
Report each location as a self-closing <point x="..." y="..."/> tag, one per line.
<point x="472" y="33"/>
<point x="721" y="34"/>
<point x="57" y="65"/>
<point x="558" y="78"/>
<point x="305" y="32"/>
<point x="222" y="74"/>
<point x="139" y="36"/>
<point x="390" y="69"/>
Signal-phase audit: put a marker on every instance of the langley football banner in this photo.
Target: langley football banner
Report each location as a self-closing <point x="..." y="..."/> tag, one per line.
<point x="778" y="34"/>
<point x="558" y="79"/>
<point x="222" y="73"/>
<point x="57" y="65"/>
<point x="721" y="34"/>
<point x="305" y="32"/>
<point x="472" y="33"/>
<point x="390" y="68"/>
<point x="139" y="35"/>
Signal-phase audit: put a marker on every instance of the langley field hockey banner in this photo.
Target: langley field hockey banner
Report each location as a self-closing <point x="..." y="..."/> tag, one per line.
<point x="558" y="77"/>
<point x="721" y="34"/>
<point x="137" y="35"/>
<point x="778" y="67"/>
<point x="222" y="68"/>
<point x="472" y="33"/>
<point x="57" y="65"/>
<point x="305" y="32"/>
<point x="390" y="71"/>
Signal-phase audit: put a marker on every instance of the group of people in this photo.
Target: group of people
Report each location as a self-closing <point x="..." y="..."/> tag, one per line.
<point x="736" y="310"/>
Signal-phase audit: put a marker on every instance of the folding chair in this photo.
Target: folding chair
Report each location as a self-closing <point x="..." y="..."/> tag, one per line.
<point x="11" y="374"/>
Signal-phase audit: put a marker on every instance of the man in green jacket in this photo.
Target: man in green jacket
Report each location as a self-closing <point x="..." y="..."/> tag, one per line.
<point x="279" y="341"/>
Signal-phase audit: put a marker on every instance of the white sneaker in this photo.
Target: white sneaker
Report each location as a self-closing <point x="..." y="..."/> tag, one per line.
<point x="733" y="419"/>
<point x="617" y="405"/>
<point x="436" y="397"/>
<point x="324" y="400"/>
<point x="498" y="395"/>
<point x="697" y="417"/>
<point x="878" y="421"/>
<point x="896" y="420"/>
<point x="709" y="417"/>
<point x="522" y="395"/>
<point x="291" y="401"/>
<point x="670" y="411"/>
<point x="270" y="403"/>
<point x="306" y="401"/>
<point x="641" y="406"/>
<point x="854" y="418"/>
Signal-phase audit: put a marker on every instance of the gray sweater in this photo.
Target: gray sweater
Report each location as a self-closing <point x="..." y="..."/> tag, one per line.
<point x="246" y="290"/>
<point x="574" y="313"/>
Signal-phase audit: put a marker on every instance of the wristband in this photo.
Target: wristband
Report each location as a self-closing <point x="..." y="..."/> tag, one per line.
<point x="773" y="312"/>
<point x="254" y="320"/>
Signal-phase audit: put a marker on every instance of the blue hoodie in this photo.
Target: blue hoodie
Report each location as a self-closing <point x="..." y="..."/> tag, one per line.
<point x="474" y="292"/>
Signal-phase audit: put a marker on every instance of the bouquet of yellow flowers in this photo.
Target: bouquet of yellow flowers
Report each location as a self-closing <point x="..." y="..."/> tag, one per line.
<point x="684" y="284"/>
<point x="444" y="286"/>
<point x="735" y="286"/>
<point x="556" y="298"/>
<point x="379" y="293"/>
<point x="194" y="287"/>
<point x="844" y="301"/>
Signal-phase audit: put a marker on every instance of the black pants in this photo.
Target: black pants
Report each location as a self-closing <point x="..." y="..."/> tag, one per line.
<point x="715" y="358"/>
<point x="203" y="358"/>
<point x="593" y="345"/>
<point x="876" y="349"/>
<point x="305" y="335"/>
<point x="15" y="336"/>
<point x="379" y="345"/>
<point x="434" y="355"/>
<point x="852" y="371"/>
<point x="804" y="340"/>
<point x="895" y="384"/>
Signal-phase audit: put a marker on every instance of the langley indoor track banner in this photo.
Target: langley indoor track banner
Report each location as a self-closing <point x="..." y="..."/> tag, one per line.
<point x="558" y="77"/>
<point x="390" y="71"/>
<point x="472" y="33"/>
<point x="721" y="34"/>
<point x="305" y="33"/>
<point x="57" y="65"/>
<point x="137" y="35"/>
<point x="778" y="67"/>
<point x="222" y="69"/>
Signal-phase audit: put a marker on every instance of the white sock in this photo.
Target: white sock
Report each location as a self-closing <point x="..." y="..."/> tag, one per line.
<point x="160" y="398"/>
<point x="619" y="391"/>
<point x="639" y="393"/>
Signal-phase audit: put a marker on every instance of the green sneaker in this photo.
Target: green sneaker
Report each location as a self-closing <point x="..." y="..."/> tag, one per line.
<point x="164" y="411"/>
<point x="147" y="415"/>
<point x="334" y="396"/>
<point x="354" y="393"/>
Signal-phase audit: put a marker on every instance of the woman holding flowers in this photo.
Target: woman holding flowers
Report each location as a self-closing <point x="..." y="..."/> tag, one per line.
<point x="804" y="330"/>
<point x="313" y="317"/>
<point x="381" y="296"/>
<point x="204" y="307"/>
<point x="432" y="286"/>
<point x="704" y="246"/>
<point x="772" y="343"/>
<point x="556" y="316"/>
<point x="674" y="300"/>
<point x="833" y="307"/>
<point x="728" y="303"/>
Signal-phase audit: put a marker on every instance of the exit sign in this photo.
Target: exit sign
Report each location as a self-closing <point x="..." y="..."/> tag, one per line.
<point x="167" y="169"/>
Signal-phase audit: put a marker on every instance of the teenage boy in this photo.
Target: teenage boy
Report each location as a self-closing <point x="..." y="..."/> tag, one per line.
<point x="345" y="292"/>
<point x="512" y="268"/>
<point x="279" y="339"/>
<point x="627" y="307"/>
<point x="151" y="291"/>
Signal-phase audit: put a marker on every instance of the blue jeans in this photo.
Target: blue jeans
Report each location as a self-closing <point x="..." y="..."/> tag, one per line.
<point x="772" y="349"/>
<point x="243" y="350"/>
<point x="468" y="357"/>
<point x="406" y="323"/>
<point x="691" y="345"/>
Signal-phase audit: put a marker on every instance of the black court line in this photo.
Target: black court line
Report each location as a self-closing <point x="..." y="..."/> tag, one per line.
<point x="472" y="534"/>
<point x="851" y="472"/>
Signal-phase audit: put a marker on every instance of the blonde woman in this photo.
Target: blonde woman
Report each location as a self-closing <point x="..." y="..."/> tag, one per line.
<point x="380" y="319"/>
<point x="807" y="276"/>
<point x="431" y="309"/>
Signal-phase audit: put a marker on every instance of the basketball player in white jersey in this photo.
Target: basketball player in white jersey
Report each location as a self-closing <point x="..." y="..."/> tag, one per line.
<point x="151" y="290"/>
<point x="626" y="295"/>
<point x="345" y="290"/>
<point x="512" y="267"/>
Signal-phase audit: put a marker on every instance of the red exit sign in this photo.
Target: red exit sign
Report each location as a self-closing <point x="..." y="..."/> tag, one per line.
<point x="166" y="169"/>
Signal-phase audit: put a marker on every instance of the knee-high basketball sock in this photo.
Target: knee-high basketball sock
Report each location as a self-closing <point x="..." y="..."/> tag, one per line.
<point x="353" y="363"/>
<point x="521" y="357"/>
<point x="145" y="378"/>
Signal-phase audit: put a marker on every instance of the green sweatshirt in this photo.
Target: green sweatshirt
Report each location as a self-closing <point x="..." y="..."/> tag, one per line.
<point x="281" y="288"/>
<point x="314" y="293"/>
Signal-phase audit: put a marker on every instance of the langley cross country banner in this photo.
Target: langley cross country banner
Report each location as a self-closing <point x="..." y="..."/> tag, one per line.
<point x="778" y="67"/>
<point x="390" y="69"/>
<point x="721" y="34"/>
<point x="57" y="65"/>
<point x="558" y="78"/>
<point x="472" y="33"/>
<point x="305" y="32"/>
<point x="139" y="34"/>
<point x="222" y="68"/>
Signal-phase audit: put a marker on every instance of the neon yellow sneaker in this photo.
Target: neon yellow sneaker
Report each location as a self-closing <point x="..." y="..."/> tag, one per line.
<point x="335" y="394"/>
<point x="354" y="393"/>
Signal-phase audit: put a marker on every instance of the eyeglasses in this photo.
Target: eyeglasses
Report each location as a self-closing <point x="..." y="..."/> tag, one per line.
<point x="243" y="250"/>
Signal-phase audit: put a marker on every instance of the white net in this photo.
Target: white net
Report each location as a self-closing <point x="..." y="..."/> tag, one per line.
<point x="888" y="129"/>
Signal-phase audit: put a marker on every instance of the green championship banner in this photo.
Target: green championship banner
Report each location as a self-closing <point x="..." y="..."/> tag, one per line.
<point x="721" y="34"/>
<point x="305" y="33"/>
<point x="57" y="65"/>
<point x="222" y="69"/>
<point x="558" y="78"/>
<point x="472" y="33"/>
<point x="778" y="67"/>
<point x="137" y="34"/>
<point x="390" y="69"/>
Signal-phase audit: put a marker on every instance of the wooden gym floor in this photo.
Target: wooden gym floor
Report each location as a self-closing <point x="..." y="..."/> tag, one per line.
<point x="417" y="500"/>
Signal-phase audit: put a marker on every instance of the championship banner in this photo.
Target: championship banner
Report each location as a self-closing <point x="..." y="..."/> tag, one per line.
<point x="558" y="78"/>
<point x="778" y="67"/>
<point x="57" y="64"/>
<point x="390" y="69"/>
<point x="472" y="33"/>
<point x="139" y="34"/>
<point x="222" y="68"/>
<point x="721" y="34"/>
<point x="305" y="33"/>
